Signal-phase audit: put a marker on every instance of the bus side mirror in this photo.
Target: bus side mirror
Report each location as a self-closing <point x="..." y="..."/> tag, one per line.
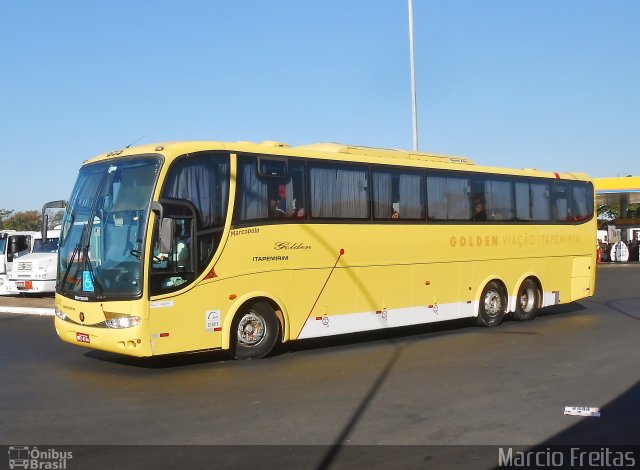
<point x="157" y="207"/>
<point x="45" y="225"/>
<point x="45" y="217"/>
<point x="165" y="238"/>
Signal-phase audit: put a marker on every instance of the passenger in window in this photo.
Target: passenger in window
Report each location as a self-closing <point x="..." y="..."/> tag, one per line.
<point x="183" y="241"/>
<point x="278" y="207"/>
<point x="395" y="210"/>
<point x="297" y="211"/>
<point x="479" y="211"/>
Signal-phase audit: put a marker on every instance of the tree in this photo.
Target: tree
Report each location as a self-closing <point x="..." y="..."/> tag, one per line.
<point x="57" y="218"/>
<point x="608" y="213"/>
<point x="4" y="213"/>
<point x="28" y="220"/>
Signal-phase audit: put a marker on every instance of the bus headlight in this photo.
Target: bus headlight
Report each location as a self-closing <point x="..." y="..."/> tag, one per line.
<point x="60" y="314"/>
<point x="123" y="322"/>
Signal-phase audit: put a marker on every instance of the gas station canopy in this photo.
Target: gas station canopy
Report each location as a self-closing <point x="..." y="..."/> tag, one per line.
<point x="617" y="191"/>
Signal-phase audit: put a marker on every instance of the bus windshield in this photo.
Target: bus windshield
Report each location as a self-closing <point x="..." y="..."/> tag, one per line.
<point x="50" y="247"/>
<point x="104" y="228"/>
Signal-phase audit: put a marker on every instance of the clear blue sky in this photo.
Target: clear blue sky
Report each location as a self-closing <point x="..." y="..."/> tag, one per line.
<point x="550" y="84"/>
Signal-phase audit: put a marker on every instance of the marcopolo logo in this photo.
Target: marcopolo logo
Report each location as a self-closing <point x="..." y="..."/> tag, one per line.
<point x="38" y="459"/>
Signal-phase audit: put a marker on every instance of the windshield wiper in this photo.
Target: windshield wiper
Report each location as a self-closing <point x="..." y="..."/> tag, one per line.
<point x="96" y="284"/>
<point x="76" y="250"/>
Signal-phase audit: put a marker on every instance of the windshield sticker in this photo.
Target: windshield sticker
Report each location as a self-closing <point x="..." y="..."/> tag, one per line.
<point x="212" y="321"/>
<point x="112" y="168"/>
<point x="87" y="282"/>
<point x="162" y="303"/>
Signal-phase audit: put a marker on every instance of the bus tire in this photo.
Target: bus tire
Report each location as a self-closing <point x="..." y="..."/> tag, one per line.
<point x="255" y="331"/>
<point x="528" y="301"/>
<point x="493" y="303"/>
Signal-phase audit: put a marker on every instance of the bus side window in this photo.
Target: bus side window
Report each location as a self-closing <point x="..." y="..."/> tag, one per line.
<point x="561" y="202"/>
<point x="261" y="197"/>
<point x="183" y="245"/>
<point x="397" y="194"/>
<point x="498" y="195"/>
<point x="172" y="270"/>
<point x="448" y="197"/>
<point x="523" y="201"/>
<point x="582" y="195"/>
<point x="539" y="192"/>
<point x="339" y="191"/>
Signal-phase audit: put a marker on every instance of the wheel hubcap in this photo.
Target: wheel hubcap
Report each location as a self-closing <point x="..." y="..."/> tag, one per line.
<point x="492" y="303"/>
<point x="251" y="329"/>
<point x="526" y="300"/>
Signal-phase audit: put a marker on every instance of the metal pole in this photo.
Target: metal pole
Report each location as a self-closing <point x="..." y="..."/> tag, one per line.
<point x="413" y="80"/>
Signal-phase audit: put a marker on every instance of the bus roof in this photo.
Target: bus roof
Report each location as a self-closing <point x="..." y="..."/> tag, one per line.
<point x="331" y="151"/>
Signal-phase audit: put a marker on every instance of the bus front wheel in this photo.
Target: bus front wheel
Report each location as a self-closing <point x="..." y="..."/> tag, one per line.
<point x="528" y="301"/>
<point x="255" y="331"/>
<point x="493" y="302"/>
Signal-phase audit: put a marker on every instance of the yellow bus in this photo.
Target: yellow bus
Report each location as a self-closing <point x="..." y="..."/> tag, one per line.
<point x="193" y="246"/>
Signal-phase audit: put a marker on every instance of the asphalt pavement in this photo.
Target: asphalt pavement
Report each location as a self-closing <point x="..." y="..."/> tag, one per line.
<point x="449" y="395"/>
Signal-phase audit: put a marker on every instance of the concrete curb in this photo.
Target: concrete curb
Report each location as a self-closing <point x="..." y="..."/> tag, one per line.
<point x="28" y="311"/>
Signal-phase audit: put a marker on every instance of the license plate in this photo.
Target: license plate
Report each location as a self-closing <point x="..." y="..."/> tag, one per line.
<point x="20" y="284"/>
<point x="82" y="338"/>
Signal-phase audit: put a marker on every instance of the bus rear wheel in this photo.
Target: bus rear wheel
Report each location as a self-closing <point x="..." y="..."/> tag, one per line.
<point x="528" y="301"/>
<point x="493" y="302"/>
<point x="255" y="331"/>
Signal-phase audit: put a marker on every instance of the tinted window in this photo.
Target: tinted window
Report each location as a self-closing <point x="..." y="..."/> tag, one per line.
<point x="203" y="180"/>
<point x="339" y="191"/>
<point x="561" y="201"/>
<point x="523" y="201"/>
<point x="539" y="192"/>
<point x="582" y="199"/>
<point x="397" y="194"/>
<point x="448" y="197"/>
<point x="268" y="197"/>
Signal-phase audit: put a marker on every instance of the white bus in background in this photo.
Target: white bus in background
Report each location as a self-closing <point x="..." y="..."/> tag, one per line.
<point x="35" y="273"/>
<point x="13" y="245"/>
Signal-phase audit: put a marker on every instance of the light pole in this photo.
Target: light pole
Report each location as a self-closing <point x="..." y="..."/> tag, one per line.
<point x="413" y="80"/>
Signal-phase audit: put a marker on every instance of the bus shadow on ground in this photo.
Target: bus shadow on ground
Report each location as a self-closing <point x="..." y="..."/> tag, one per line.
<point x="564" y="309"/>
<point x="416" y="332"/>
<point x="161" y="362"/>
<point x="408" y="333"/>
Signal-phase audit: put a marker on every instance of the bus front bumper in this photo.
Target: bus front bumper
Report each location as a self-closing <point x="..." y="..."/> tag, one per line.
<point x="128" y="341"/>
